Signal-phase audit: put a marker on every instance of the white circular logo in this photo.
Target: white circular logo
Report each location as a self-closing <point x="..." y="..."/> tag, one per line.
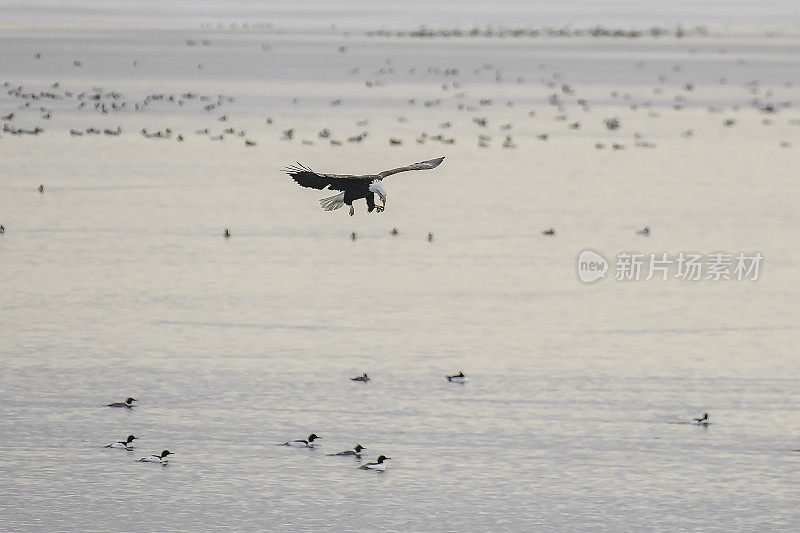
<point x="591" y="266"/>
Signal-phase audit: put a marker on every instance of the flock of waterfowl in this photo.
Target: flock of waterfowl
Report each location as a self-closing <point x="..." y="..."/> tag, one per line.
<point x="560" y="105"/>
<point x="502" y="31"/>
<point x="555" y="109"/>
<point x="394" y="233"/>
<point x="550" y="232"/>
<point x="562" y="109"/>
<point x="308" y="443"/>
<point x="227" y="232"/>
<point x="127" y="444"/>
<point x="471" y="114"/>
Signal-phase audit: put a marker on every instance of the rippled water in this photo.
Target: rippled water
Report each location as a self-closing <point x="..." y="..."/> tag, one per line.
<point x="117" y="281"/>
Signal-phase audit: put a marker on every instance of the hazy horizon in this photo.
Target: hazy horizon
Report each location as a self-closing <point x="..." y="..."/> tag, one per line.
<point x="364" y="13"/>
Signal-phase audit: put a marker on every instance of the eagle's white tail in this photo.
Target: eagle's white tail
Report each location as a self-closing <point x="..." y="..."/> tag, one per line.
<point x="332" y="202"/>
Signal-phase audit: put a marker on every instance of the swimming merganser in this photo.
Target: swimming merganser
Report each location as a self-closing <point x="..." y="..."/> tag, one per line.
<point x="302" y="443"/>
<point x="156" y="458"/>
<point x="703" y="420"/>
<point x="363" y="377"/>
<point x="356" y="451"/>
<point x="376" y="466"/>
<point x="458" y="378"/>
<point x="127" y="444"/>
<point x="127" y="403"/>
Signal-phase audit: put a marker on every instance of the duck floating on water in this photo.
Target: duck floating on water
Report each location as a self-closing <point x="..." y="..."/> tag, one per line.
<point x="302" y="443"/>
<point x="356" y="451"/>
<point x="156" y="458"/>
<point x="127" y="403"/>
<point x="702" y="420"/>
<point x="126" y="444"/>
<point x="378" y="465"/>
<point x="364" y="377"/>
<point x="457" y="378"/>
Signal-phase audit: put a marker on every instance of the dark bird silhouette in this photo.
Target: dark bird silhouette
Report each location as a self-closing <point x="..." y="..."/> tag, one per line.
<point x="356" y="451"/>
<point x="126" y="444"/>
<point x="352" y="187"/>
<point x="302" y="443"/>
<point x="127" y="403"/>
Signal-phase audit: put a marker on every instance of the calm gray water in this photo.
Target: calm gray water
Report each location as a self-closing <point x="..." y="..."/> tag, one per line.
<point x="116" y="281"/>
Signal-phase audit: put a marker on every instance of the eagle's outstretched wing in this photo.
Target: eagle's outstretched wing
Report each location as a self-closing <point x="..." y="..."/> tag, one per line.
<point x="424" y="165"/>
<point x="315" y="180"/>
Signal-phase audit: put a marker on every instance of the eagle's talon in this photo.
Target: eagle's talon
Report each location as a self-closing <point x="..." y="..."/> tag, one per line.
<point x="379" y="209"/>
<point x="352" y="210"/>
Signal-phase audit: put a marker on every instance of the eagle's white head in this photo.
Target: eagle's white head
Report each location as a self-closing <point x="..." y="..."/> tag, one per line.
<point x="377" y="187"/>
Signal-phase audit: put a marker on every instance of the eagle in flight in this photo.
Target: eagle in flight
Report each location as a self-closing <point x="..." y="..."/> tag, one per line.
<point x="352" y="187"/>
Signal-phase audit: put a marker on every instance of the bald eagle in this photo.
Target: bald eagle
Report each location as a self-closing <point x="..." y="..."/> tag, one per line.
<point x="352" y="187"/>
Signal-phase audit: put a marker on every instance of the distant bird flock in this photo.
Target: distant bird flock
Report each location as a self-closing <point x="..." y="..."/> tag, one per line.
<point x="311" y="441"/>
<point x="36" y="105"/>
